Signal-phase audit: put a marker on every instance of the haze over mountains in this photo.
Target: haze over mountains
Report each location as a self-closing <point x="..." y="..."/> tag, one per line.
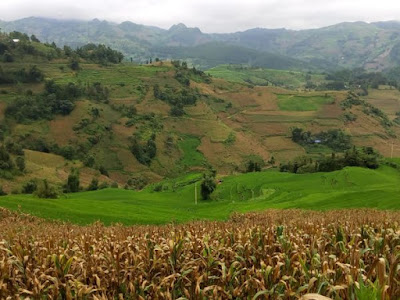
<point x="374" y="46"/>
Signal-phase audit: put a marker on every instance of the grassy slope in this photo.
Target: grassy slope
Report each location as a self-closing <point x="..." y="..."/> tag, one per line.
<point x="351" y="187"/>
<point x="259" y="118"/>
<point x="302" y="103"/>
<point x="262" y="76"/>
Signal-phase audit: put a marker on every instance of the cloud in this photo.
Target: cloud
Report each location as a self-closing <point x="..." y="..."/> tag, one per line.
<point x="209" y="15"/>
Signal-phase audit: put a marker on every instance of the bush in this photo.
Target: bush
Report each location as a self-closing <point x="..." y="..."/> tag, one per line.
<point x="74" y="64"/>
<point x="2" y="192"/>
<point x="5" y="160"/>
<point x="177" y="111"/>
<point x="144" y="153"/>
<point x="29" y="187"/>
<point x="7" y="57"/>
<point x="89" y="161"/>
<point x="137" y="182"/>
<point x="103" y="171"/>
<point x="349" y="117"/>
<point x="73" y="182"/>
<point x="208" y="185"/>
<point x="103" y="185"/>
<point x="46" y="191"/>
<point x="94" y="185"/>
<point x="253" y="166"/>
<point x="96" y="91"/>
<point x="20" y="162"/>
<point x="114" y="185"/>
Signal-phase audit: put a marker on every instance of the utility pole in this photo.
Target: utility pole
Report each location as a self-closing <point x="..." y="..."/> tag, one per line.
<point x="195" y="193"/>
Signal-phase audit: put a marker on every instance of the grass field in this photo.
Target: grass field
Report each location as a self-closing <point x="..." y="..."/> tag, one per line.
<point x="302" y="103"/>
<point x="261" y="76"/>
<point x="348" y="188"/>
<point x="191" y="156"/>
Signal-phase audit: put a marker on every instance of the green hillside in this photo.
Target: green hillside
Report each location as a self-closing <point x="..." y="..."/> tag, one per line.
<point x="139" y="42"/>
<point x="374" y="46"/>
<point x="75" y="120"/>
<point x="348" y="188"/>
<point x="263" y="76"/>
<point x="211" y="54"/>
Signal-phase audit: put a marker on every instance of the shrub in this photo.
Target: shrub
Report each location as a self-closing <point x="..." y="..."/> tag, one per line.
<point x="29" y="187"/>
<point x="144" y="152"/>
<point x="103" y="185"/>
<point x="89" y="161"/>
<point x="103" y="171"/>
<point x="94" y="185"/>
<point x="2" y="192"/>
<point x="349" y="117"/>
<point x="253" y="166"/>
<point x="137" y="182"/>
<point x="20" y="162"/>
<point x="46" y="191"/>
<point x="74" y="64"/>
<point x="208" y="185"/>
<point x="73" y="182"/>
<point x="114" y="185"/>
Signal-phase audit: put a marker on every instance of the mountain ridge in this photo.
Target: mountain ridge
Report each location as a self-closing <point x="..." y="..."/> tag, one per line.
<point x="344" y="45"/>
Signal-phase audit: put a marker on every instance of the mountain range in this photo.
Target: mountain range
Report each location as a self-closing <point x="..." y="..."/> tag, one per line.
<point x="373" y="46"/>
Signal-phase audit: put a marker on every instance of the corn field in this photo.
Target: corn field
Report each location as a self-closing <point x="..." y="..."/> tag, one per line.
<point x="290" y="254"/>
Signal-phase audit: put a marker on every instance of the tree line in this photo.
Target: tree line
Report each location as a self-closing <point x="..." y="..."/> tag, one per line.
<point x="335" y="139"/>
<point x="365" y="157"/>
<point x="10" y="50"/>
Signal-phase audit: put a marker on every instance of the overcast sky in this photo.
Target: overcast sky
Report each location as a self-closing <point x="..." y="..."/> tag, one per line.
<point x="209" y="15"/>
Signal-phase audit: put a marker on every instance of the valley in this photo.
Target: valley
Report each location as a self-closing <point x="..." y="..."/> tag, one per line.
<point x="145" y="163"/>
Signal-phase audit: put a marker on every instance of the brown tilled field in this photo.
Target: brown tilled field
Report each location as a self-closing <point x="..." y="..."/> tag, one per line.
<point x="270" y="255"/>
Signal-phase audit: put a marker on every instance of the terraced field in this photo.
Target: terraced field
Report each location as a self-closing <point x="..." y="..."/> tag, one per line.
<point x="175" y="201"/>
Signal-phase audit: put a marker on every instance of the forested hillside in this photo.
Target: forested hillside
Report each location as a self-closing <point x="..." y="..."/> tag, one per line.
<point x="373" y="46"/>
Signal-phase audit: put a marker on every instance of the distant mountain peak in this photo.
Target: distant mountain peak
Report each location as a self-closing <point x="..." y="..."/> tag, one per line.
<point x="179" y="26"/>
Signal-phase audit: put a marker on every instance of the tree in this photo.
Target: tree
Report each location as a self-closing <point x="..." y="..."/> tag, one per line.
<point x="7" y="57"/>
<point x="103" y="171"/>
<point x="72" y="185"/>
<point x="5" y="159"/>
<point x="114" y="185"/>
<point x="208" y="185"/>
<point x="89" y="161"/>
<point x="177" y="111"/>
<point x="29" y="187"/>
<point x="46" y="191"/>
<point x="34" y="38"/>
<point x="2" y="192"/>
<point x="74" y="64"/>
<point x="20" y="162"/>
<point x="144" y="153"/>
<point x="272" y="160"/>
<point x="253" y="166"/>
<point x="94" y="185"/>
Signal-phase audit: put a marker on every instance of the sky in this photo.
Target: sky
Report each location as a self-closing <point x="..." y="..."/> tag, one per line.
<point x="209" y="15"/>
